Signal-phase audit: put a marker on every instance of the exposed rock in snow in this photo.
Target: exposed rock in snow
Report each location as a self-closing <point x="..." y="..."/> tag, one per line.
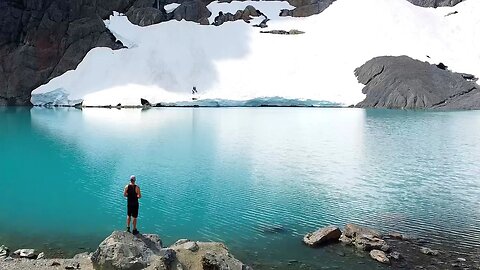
<point x="435" y="3"/>
<point x="402" y="82"/>
<point x="307" y="8"/>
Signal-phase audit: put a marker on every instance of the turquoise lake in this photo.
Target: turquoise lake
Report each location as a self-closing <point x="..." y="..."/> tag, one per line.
<point x="257" y="179"/>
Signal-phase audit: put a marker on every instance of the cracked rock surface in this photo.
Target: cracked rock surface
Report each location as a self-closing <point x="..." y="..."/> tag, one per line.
<point x="400" y="82"/>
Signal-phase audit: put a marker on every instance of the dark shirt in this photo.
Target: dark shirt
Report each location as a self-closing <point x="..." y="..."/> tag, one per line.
<point x="132" y="198"/>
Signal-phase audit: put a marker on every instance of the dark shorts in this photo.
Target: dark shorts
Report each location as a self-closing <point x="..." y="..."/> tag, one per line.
<point x="132" y="211"/>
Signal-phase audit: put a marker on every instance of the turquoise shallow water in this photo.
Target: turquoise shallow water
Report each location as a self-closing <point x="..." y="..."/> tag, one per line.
<point x="254" y="178"/>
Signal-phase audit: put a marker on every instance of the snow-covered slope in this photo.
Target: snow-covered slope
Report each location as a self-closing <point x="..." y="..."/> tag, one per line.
<point x="236" y="62"/>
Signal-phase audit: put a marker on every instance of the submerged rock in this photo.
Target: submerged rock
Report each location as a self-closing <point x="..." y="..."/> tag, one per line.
<point x="428" y="251"/>
<point x="322" y="236"/>
<point x="352" y="231"/>
<point x="379" y="256"/>
<point x="368" y="242"/>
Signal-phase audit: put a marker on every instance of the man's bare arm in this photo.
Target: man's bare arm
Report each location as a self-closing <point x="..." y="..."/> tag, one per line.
<point x="139" y="195"/>
<point x="125" y="194"/>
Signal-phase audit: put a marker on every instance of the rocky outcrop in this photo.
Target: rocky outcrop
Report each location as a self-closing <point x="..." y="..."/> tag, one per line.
<point x="435" y="3"/>
<point x="245" y="15"/>
<point x="322" y="236"/>
<point x="41" y="39"/>
<point x="364" y="238"/>
<point x="204" y="255"/>
<point x="122" y="250"/>
<point x="195" y="11"/>
<point x="405" y="83"/>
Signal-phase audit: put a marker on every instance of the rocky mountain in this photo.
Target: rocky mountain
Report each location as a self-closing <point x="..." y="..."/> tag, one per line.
<point x="42" y="39"/>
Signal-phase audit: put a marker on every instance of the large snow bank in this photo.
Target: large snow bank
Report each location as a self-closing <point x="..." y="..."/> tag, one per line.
<point x="236" y="62"/>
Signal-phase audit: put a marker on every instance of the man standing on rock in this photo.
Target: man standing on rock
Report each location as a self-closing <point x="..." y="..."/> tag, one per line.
<point x="132" y="192"/>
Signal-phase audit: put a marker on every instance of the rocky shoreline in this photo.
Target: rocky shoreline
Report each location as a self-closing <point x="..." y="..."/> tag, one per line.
<point x="123" y="250"/>
<point x="397" y="250"/>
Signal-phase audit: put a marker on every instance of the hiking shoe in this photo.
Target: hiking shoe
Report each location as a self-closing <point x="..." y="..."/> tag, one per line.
<point x="128" y="229"/>
<point x="135" y="232"/>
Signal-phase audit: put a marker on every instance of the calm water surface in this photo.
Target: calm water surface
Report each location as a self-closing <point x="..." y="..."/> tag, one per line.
<point x="257" y="179"/>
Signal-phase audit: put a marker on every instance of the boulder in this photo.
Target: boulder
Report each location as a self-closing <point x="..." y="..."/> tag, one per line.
<point x="379" y="256"/>
<point x="122" y="250"/>
<point x="146" y="16"/>
<point x="395" y="255"/>
<point x="26" y="253"/>
<point x="428" y="251"/>
<point x="369" y="242"/>
<point x="208" y="256"/>
<point x="145" y="102"/>
<point x="195" y="11"/>
<point x="352" y="231"/>
<point x="305" y="8"/>
<point x="322" y="236"/>
<point x="405" y="83"/>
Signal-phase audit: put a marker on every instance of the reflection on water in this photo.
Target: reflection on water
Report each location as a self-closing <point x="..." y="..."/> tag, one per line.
<point x="255" y="178"/>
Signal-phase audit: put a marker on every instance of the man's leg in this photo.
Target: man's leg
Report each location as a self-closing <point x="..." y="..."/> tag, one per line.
<point x="129" y="214"/>
<point x="135" y="215"/>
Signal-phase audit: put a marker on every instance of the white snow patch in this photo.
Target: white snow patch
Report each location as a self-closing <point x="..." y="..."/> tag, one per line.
<point x="171" y="7"/>
<point x="236" y="62"/>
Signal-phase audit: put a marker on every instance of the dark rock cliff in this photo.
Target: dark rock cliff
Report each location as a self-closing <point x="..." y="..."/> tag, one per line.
<point x="405" y="83"/>
<point x="41" y="39"/>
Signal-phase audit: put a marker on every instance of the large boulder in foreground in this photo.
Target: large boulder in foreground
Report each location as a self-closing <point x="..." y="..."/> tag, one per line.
<point x="122" y="250"/>
<point x="401" y="82"/>
<point x="322" y="236"/>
